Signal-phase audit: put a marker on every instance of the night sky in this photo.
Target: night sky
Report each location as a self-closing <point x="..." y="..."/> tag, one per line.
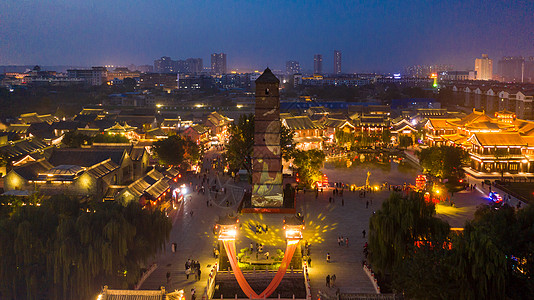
<point x="372" y="35"/>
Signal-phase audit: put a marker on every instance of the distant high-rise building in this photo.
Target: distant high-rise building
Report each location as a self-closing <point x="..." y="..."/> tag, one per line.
<point x="164" y="65"/>
<point x="337" y="62"/>
<point x="218" y="63"/>
<point x="511" y="69"/>
<point x="484" y="68"/>
<point x="167" y="65"/>
<point x="318" y="64"/>
<point x="194" y="65"/>
<point x="292" y="67"/>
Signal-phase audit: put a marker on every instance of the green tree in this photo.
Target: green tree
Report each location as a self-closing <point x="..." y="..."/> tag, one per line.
<point x="111" y="138"/>
<point x="73" y="139"/>
<point x="444" y="162"/>
<point x="241" y="144"/>
<point x="63" y="249"/>
<point x="287" y="145"/>
<point x="400" y="222"/>
<point x="309" y="164"/>
<point x="405" y="141"/>
<point x="344" y="139"/>
<point x="177" y="151"/>
<point x="386" y="136"/>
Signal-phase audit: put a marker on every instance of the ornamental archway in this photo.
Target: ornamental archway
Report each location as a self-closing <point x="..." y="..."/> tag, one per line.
<point x="227" y="235"/>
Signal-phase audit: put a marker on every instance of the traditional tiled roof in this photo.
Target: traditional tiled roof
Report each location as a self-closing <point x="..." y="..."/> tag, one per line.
<point x="102" y="169"/>
<point x="483" y="126"/>
<point x="457" y="139"/>
<point x="31" y="170"/>
<point x="497" y="139"/>
<point x="18" y="128"/>
<point x="91" y="111"/>
<point x="199" y="129"/>
<point x="155" y="133"/>
<point x="31" y="118"/>
<point x="85" y="157"/>
<point x="336" y="123"/>
<point x="136" y="153"/>
<point x="442" y="123"/>
<point x="475" y="116"/>
<point x="170" y="122"/>
<point x="153" y="183"/>
<point x="300" y="123"/>
<point x="399" y="127"/>
<point x="118" y="128"/>
<point x="217" y="119"/>
<point x="24" y="147"/>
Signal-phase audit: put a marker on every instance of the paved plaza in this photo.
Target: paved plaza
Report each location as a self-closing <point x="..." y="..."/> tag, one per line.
<point x="325" y="221"/>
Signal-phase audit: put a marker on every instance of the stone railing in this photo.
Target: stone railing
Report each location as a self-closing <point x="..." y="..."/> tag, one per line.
<point x="372" y="277"/>
<point x="210" y="287"/>
<point x="145" y="275"/>
<point x="307" y="281"/>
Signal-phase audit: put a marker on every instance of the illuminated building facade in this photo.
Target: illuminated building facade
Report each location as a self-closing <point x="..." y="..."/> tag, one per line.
<point x="292" y="67"/>
<point x="218" y="63"/>
<point x="267" y="160"/>
<point x="500" y="144"/>
<point x="484" y="68"/>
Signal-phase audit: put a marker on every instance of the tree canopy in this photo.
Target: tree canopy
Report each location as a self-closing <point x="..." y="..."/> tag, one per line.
<point x="444" y="161"/>
<point x="177" y="151"/>
<point x="490" y="259"/>
<point x="61" y="249"/>
<point x="309" y="164"/>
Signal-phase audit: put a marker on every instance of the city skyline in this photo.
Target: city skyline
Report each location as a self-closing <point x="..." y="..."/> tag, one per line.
<point x="79" y="33"/>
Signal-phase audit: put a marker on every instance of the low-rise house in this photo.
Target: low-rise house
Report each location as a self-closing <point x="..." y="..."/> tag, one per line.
<point x="332" y="126"/>
<point x="307" y="134"/>
<point x="218" y="125"/>
<point x="152" y="188"/>
<point x="20" y="178"/>
<point x="199" y="134"/>
<point x="88" y="157"/>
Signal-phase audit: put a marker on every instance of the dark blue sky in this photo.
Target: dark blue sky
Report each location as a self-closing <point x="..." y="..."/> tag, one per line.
<point x="372" y="35"/>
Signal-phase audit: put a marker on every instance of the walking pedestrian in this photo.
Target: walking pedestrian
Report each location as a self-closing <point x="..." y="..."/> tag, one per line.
<point x="328" y="257"/>
<point x="193" y="295"/>
<point x="347" y="242"/>
<point x="333" y="280"/>
<point x="327" y="280"/>
<point x="309" y="261"/>
<point x="187" y="273"/>
<point x="199" y="273"/>
<point x="363" y="233"/>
